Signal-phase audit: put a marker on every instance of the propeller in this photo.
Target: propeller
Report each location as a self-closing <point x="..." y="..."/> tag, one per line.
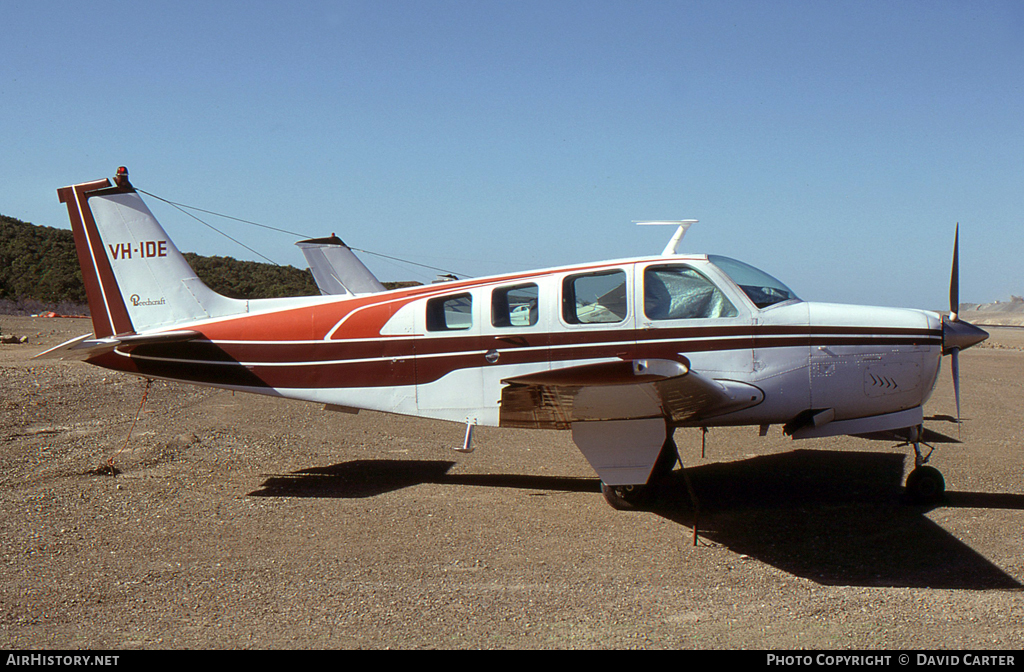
<point x="957" y="335"/>
<point x="954" y="277"/>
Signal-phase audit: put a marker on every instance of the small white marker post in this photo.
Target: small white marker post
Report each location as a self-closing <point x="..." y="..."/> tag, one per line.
<point x="467" y="442"/>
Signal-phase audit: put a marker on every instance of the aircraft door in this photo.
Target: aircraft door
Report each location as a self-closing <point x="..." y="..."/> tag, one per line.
<point x="595" y="319"/>
<point x="449" y="379"/>
<point x="685" y="311"/>
<point x="516" y="333"/>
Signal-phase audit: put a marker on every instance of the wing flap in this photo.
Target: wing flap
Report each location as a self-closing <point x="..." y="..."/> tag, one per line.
<point x="620" y="391"/>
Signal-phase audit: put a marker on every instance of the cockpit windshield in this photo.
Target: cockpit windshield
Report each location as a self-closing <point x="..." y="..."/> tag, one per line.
<point x="763" y="289"/>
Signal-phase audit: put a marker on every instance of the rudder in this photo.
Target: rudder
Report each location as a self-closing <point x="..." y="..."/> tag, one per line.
<point x="135" y="277"/>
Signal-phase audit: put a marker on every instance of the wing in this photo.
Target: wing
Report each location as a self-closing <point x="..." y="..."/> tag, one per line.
<point x="622" y="390"/>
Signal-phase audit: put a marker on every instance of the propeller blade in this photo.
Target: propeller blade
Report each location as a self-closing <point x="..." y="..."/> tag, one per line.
<point x="954" y="277"/>
<point x="954" y="363"/>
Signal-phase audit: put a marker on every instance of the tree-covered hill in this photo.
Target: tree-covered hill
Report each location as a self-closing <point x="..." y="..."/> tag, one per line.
<point x="38" y="264"/>
<point x="251" y="279"/>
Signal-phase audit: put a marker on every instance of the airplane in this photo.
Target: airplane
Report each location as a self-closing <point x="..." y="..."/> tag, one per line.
<point x="620" y="353"/>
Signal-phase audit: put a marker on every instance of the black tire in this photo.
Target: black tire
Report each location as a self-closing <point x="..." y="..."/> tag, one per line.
<point x="925" y="485"/>
<point x="633" y="497"/>
<point x="667" y="460"/>
<point x="625" y="497"/>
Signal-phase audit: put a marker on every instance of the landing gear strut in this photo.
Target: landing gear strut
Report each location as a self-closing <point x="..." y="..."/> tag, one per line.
<point x="632" y="497"/>
<point x="925" y="484"/>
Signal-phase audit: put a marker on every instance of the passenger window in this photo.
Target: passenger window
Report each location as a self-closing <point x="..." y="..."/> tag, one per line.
<point x="450" y="313"/>
<point x="514" y="306"/>
<point x="681" y="293"/>
<point x="595" y="298"/>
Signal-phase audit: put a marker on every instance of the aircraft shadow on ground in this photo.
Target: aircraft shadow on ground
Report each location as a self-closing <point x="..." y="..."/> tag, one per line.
<point x="837" y="518"/>
<point x="369" y="478"/>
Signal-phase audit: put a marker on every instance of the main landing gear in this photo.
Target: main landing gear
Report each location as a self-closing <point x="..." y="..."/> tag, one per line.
<point x="925" y="484"/>
<point x="632" y="497"/>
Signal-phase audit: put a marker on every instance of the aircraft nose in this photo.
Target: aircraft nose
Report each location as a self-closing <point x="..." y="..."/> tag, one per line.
<point x="960" y="335"/>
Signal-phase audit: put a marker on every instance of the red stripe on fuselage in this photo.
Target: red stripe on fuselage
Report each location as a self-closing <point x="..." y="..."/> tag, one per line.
<point x="337" y="343"/>
<point x="347" y="318"/>
<point x="389" y="361"/>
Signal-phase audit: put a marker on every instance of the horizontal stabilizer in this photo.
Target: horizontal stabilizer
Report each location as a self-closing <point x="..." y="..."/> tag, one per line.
<point x="336" y="269"/>
<point x="88" y="346"/>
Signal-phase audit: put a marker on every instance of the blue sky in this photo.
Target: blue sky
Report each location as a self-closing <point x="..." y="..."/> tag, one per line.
<point x="833" y="144"/>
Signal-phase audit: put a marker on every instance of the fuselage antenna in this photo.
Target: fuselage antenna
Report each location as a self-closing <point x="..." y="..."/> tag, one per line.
<point x="682" y="224"/>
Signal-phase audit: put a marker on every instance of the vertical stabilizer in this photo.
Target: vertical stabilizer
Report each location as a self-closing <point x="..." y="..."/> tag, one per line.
<point x="135" y="277"/>
<point x="336" y="269"/>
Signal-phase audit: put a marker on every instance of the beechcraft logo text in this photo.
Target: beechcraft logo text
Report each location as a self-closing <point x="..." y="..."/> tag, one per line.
<point x="139" y="301"/>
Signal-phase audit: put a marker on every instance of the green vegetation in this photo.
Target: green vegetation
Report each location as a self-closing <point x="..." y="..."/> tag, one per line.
<point x="38" y="263"/>
<point x="39" y="271"/>
<point x="251" y="279"/>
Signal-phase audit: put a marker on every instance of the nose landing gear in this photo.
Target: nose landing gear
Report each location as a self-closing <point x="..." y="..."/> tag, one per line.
<point x="925" y="484"/>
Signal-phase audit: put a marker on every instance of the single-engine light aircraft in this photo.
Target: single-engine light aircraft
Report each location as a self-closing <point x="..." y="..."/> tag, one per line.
<point x="620" y="353"/>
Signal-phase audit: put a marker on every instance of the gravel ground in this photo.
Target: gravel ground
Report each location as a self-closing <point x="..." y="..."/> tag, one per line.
<point x="247" y="522"/>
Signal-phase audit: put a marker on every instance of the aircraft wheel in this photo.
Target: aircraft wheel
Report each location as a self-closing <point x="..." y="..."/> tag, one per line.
<point x="633" y="497"/>
<point x="667" y="460"/>
<point x="625" y="497"/>
<point x="925" y="485"/>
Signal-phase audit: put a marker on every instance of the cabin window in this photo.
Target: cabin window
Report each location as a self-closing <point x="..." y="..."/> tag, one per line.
<point x="595" y="298"/>
<point x="514" y="306"/>
<point x="450" y="313"/>
<point x="682" y="293"/>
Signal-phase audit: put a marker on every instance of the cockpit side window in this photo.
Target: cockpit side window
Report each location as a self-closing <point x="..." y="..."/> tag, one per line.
<point x="762" y="289"/>
<point x="675" y="292"/>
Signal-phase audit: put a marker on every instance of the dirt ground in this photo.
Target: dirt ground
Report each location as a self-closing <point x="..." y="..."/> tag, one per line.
<point x="248" y="522"/>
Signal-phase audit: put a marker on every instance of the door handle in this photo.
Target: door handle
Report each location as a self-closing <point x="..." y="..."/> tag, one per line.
<point x="519" y="341"/>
